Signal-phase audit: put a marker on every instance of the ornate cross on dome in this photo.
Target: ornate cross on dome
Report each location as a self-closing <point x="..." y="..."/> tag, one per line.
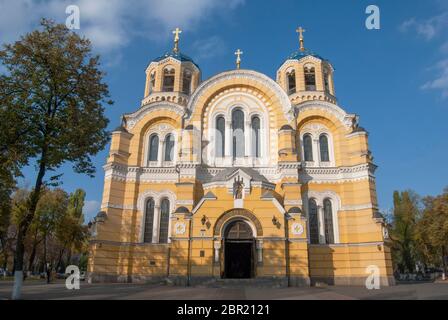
<point x="238" y="54"/>
<point x="176" y="33"/>
<point x="300" y="31"/>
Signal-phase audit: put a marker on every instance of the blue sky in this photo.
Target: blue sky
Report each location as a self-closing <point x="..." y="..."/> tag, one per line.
<point x="395" y="79"/>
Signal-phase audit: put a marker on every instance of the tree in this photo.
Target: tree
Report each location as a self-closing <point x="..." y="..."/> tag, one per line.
<point x="55" y="90"/>
<point x="432" y="230"/>
<point x="51" y="209"/>
<point x="405" y="215"/>
<point x="71" y="232"/>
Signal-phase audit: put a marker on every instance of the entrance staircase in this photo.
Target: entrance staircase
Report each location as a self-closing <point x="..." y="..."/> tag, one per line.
<point x="245" y="283"/>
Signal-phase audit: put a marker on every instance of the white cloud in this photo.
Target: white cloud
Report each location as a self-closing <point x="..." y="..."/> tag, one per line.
<point x="432" y="29"/>
<point x="441" y="82"/>
<point x="112" y="24"/>
<point x="428" y="28"/>
<point x="91" y="208"/>
<point x="208" y="48"/>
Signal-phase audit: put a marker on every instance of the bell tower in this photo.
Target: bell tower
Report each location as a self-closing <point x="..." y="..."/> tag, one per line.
<point x="172" y="77"/>
<point x="306" y="76"/>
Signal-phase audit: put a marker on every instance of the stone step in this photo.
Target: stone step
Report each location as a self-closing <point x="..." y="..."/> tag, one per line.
<point x="246" y="283"/>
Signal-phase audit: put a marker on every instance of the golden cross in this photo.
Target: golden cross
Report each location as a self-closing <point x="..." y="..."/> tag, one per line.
<point x="300" y="31"/>
<point x="176" y="33"/>
<point x="238" y="54"/>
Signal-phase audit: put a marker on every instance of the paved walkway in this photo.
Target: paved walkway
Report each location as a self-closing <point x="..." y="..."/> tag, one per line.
<point x="40" y="290"/>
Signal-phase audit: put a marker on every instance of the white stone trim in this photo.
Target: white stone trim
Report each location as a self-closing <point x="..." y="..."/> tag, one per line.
<point x="338" y="174"/>
<point x="357" y="207"/>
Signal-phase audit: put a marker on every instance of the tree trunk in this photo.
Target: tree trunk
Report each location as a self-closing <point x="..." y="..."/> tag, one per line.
<point x="33" y="253"/>
<point x="69" y="257"/>
<point x="24" y="226"/>
<point x="61" y="254"/>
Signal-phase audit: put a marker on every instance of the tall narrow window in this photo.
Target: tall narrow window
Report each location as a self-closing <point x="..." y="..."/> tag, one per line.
<point x="186" y="82"/>
<point x="238" y="133"/>
<point x="152" y="82"/>
<point x="164" y="220"/>
<point x="323" y="145"/>
<point x="291" y="76"/>
<point x="220" y="137"/>
<point x="328" y="222"/>
<point x="314" y="221"/>
<point x="256" y="137"/>
<point x="153" y="148"/>
<point x="327" y="81"/>
<point x="308" y="147"/>
<point x="168" y="79"/>
<point x="149" y="220"/>
<point x="169" y="148"/>
<point x="310" y="78"/>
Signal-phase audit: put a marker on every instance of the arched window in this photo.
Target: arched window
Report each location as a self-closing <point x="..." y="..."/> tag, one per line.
<point x="169" y="148"/>
<point x="152" y="81"/>
<point x="164" y="220"/>
<point x="149" y="220"/>
<point x="308" y="147"/>
<point x="153" y="148"/>
<point x="238" y="133"/>
<point x="256" y="137"/>
<point x="314" y="221"/>
<point x="328" y="221"/>
<point x="291" y="77"/>
<point x="186" y="82"/>
<point x="238" y="230"/>
<point x="220" y="136"/>
<point x="168" y="79"/>
<point x="323" y="145"/>
<point x="310" y="78"/>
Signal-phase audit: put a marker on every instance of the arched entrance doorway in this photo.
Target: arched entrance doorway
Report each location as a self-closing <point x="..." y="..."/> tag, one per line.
<point x="238" y="250"/>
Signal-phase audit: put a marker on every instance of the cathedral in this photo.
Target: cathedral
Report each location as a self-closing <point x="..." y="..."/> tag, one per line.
<point x="240" y="177"/>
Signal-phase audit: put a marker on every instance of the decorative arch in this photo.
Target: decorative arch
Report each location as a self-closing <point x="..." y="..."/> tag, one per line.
<point x="349" y="121"/>
<point x="231" y="215"/>
<point x="157" y="196"/>
<point x="167" y="107"/>
<point x="243" y="76"/>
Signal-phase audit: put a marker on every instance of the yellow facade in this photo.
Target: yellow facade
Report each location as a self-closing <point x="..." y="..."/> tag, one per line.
<point x="239" y="176"/>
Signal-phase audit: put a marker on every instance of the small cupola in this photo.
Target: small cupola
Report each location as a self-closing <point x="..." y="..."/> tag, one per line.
<point x="171" y="77"/>
<point x="305" y="75"/>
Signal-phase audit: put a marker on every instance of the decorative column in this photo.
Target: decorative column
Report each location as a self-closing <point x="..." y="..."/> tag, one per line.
<point x="316" y="158"/>
<point x="160" y="153"/>
<point x="260" y="251"/>
<point x="155" y="224"/>
<point x="217" y="247"/>
<point x="228" y="141"/>
<point x="320" y="215"/>
<point x="247" y="139"/>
